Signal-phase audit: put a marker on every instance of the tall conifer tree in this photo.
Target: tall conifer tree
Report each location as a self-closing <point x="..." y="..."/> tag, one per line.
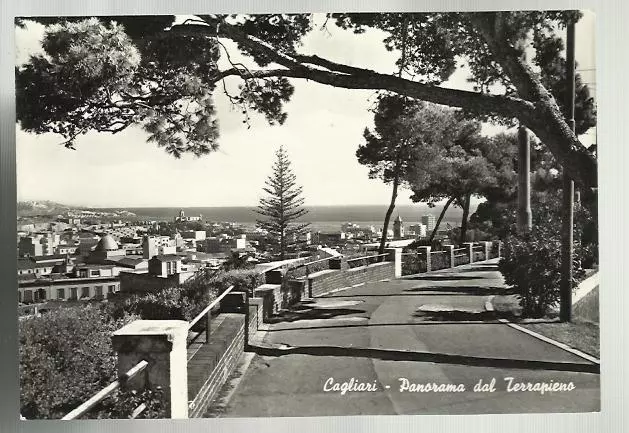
<point x="282" y="207"/>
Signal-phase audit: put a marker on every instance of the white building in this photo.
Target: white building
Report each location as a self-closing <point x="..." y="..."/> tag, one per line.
<point x="157" y="245"/>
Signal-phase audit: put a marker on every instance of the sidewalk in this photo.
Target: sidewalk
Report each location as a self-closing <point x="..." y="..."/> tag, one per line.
<point x="408" y="331"/>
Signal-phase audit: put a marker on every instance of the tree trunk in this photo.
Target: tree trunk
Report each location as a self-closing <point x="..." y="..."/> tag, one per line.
<point x="441" y="215"/>
<point x="387" y="217"/>
<point x="466" y="213"/>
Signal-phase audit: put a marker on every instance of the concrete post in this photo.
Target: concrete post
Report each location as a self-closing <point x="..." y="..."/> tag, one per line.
<point x="395" y="256"/>
<point x="339" y="263"/>
<point x="487" y="249"/>
<point x="162" y="343"/>
<point x="470" y="250"/>
<point x="425" y="251"/>
<point x="449" y="249"/>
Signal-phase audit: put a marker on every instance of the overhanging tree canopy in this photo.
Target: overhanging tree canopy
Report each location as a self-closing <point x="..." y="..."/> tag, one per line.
<point x="160" y="76"/>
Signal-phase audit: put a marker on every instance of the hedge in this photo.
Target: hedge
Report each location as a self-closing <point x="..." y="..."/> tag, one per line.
<point x="66" y="357"/>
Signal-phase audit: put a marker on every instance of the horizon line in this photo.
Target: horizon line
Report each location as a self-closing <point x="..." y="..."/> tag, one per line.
<point x="215" y="206"/>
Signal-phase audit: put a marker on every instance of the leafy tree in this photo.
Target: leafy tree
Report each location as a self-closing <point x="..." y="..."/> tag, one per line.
<point x="391" y="148"/>
<point x="146" y="71"/>
<point x="469" y="164"/>
<point x="282" y="207"/>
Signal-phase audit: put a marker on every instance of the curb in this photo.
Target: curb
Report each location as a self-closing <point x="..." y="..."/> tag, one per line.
<point x="490" y="307"/>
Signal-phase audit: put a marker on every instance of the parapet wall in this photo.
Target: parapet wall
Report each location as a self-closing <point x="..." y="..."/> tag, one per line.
<point x="326" y="282"/>
<point x="214" y="362"/>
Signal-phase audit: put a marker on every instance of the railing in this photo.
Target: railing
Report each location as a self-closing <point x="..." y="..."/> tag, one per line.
<point x="355" y="262"/>
<point x="205" y="314"/>
<point x="107" y="391"/>
<point x="461" y="256"/>
<point x="439" y="260"/>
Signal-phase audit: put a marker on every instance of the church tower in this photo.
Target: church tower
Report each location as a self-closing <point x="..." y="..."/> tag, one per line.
<point x="398" y="228"/>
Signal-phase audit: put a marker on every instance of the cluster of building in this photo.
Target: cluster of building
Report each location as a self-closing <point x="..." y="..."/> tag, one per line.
<point x="354" y="233"/>
<point x="72" y="259"/>
<point x="69" y="260"/>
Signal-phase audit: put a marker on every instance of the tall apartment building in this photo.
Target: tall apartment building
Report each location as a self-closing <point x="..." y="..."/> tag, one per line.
<point x="429" y="222"/>
<point x="39" y="244"/>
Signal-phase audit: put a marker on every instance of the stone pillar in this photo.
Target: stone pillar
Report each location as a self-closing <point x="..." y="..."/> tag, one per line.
<point x="425" y="251"/>
<point x="338" y="263"/>
<point x="162" y="343"/>
<point x="449" y="249"/>
<point x="487" y="249"/>
<point x="470" y="250"/>
<point x="274" y="277"/>
<point x="395" y="256"/>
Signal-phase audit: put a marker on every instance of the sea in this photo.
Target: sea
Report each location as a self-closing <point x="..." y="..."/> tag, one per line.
<point x="321" y="218"/>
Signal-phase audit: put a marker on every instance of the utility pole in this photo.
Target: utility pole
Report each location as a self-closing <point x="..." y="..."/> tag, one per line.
<point x="525" y="219"/>
<point x="567" y="228"/>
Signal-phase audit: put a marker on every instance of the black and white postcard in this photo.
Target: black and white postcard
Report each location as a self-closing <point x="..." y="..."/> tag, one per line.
<point x="307" y="214"/>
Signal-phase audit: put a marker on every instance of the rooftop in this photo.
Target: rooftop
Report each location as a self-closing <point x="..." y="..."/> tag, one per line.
<point x="167" y="257"/>
<point x="130" y="261"/>
<point x="107" y="243"/>
<point x="52" y="257"/>
<point x="29" y="264"/>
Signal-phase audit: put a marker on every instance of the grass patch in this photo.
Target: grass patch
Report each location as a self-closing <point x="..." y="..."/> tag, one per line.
<point x="579" y="334"/>
<point x="582" y="333"/>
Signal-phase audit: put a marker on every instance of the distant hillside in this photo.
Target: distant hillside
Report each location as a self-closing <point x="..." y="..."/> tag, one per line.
<point x="44" y="207"/>
<point x="51" y="208"/>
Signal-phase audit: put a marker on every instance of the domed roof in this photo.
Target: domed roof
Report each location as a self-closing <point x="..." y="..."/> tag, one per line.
<point x="107" y="243"/>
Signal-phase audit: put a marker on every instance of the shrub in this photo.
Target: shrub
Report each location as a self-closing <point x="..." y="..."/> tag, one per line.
<point x="185" y="302"/>
<point x="65" y="357"/>
<point x="167" y="304"/>
<point x="241" y="279"/>
<point x="125" y="402"/>
<point x="532" y="265"/>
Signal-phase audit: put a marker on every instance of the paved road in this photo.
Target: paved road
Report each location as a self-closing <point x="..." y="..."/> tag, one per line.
<point x="384" y="332"/>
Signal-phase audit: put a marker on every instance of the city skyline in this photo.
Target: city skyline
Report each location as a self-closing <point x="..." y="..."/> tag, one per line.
<point x="125" y="171"/>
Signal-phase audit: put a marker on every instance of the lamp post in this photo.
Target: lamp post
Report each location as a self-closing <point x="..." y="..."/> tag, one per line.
<point x="567" y="238"/>
<point x="525" y="220"/>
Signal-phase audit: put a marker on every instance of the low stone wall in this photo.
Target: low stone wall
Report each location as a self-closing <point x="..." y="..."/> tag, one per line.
<point x="213" y="363"/>
<point x="277" y="294"/>
<point x="326" y="281"/>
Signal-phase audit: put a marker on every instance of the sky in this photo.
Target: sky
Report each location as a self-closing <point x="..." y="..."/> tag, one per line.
<point x="321" y="135"/>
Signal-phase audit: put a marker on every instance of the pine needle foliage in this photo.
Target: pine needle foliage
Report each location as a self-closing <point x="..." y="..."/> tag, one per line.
<point x="282" y="207"/>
